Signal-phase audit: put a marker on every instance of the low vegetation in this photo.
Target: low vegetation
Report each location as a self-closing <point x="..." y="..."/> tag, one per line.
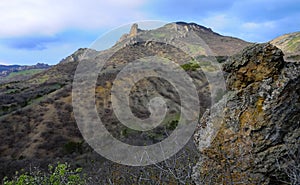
<point x="25" y="73"/>
<point x="61" y="174"/>
<point x="191" y="66"/>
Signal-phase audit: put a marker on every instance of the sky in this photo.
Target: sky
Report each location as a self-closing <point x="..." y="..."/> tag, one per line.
<point x="49" y="30"/>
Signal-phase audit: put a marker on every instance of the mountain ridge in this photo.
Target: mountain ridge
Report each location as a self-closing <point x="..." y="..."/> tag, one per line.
<point x="218" y="45"/>
<point x="9" y="73"/>
<point x="5" y="70"/>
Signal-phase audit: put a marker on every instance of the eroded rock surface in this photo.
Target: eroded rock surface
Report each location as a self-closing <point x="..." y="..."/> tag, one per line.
<point x="257" y="138"/>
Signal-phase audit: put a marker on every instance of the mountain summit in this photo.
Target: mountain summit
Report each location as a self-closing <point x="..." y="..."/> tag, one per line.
<point x="134" y="30"/>
<point x="190" y="33"/>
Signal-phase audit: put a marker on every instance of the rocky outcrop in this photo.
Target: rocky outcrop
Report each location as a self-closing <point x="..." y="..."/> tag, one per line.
<point x="194" y="26"/>
<point x="257" y="138"/>
<point x="134" y="30"/>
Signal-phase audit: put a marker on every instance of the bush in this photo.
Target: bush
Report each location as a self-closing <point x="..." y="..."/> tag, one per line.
<point x="59" y="175"/>
<point x="192" y="66"/>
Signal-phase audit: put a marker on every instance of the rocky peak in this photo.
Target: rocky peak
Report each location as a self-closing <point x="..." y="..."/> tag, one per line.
<point x="251" y="136"/>
<point x="195" y="27"/>
<point x="134" y="31"/>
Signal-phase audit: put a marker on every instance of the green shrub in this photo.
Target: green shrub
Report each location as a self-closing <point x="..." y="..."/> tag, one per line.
<point x="192" y="66"/>
<point x="59" y="175"/>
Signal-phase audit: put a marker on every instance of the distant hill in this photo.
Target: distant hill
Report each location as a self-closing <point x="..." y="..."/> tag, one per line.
<point x="10" y="73"/>
<point x="290" y="45"/>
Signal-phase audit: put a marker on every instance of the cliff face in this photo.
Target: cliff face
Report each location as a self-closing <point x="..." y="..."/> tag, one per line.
<point x="256" y="140"/>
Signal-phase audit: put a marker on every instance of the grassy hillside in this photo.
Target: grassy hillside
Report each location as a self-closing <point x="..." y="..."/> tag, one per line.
<point x="290" y="45"/>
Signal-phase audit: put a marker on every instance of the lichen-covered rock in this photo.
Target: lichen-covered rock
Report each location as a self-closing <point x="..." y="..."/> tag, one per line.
<point x="258" y="136"/>
<point x="253" y="65"/>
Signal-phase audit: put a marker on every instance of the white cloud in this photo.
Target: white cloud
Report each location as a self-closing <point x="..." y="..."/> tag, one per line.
<point x="262" y="25"/>
<point x="47" y="17"/>
<point x="254" y="31"/>
<point x="3" y="62"/>
<point x="217" y="21"/>
<point x="222" y="23"/>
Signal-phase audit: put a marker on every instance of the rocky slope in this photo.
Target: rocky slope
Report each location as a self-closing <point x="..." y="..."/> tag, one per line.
<point x="252" y="136"/>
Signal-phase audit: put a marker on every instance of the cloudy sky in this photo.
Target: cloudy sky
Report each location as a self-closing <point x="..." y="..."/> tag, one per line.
<point x="48" y="30"/>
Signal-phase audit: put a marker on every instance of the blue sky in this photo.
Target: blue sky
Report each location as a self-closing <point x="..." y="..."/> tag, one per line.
<point x="48" y="30"/>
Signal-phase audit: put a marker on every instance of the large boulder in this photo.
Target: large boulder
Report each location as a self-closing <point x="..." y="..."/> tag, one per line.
<point x="254" y="130"/>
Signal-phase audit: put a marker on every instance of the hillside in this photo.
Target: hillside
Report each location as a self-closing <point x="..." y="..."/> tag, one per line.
<point x="37" y="119"/>
<point x="9" y="73"/>
<point x="289" y="44"/>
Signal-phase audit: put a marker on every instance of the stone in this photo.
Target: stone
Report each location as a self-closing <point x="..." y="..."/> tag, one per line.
<point x="255" y="136"/>
<point x="133" y="30"/>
